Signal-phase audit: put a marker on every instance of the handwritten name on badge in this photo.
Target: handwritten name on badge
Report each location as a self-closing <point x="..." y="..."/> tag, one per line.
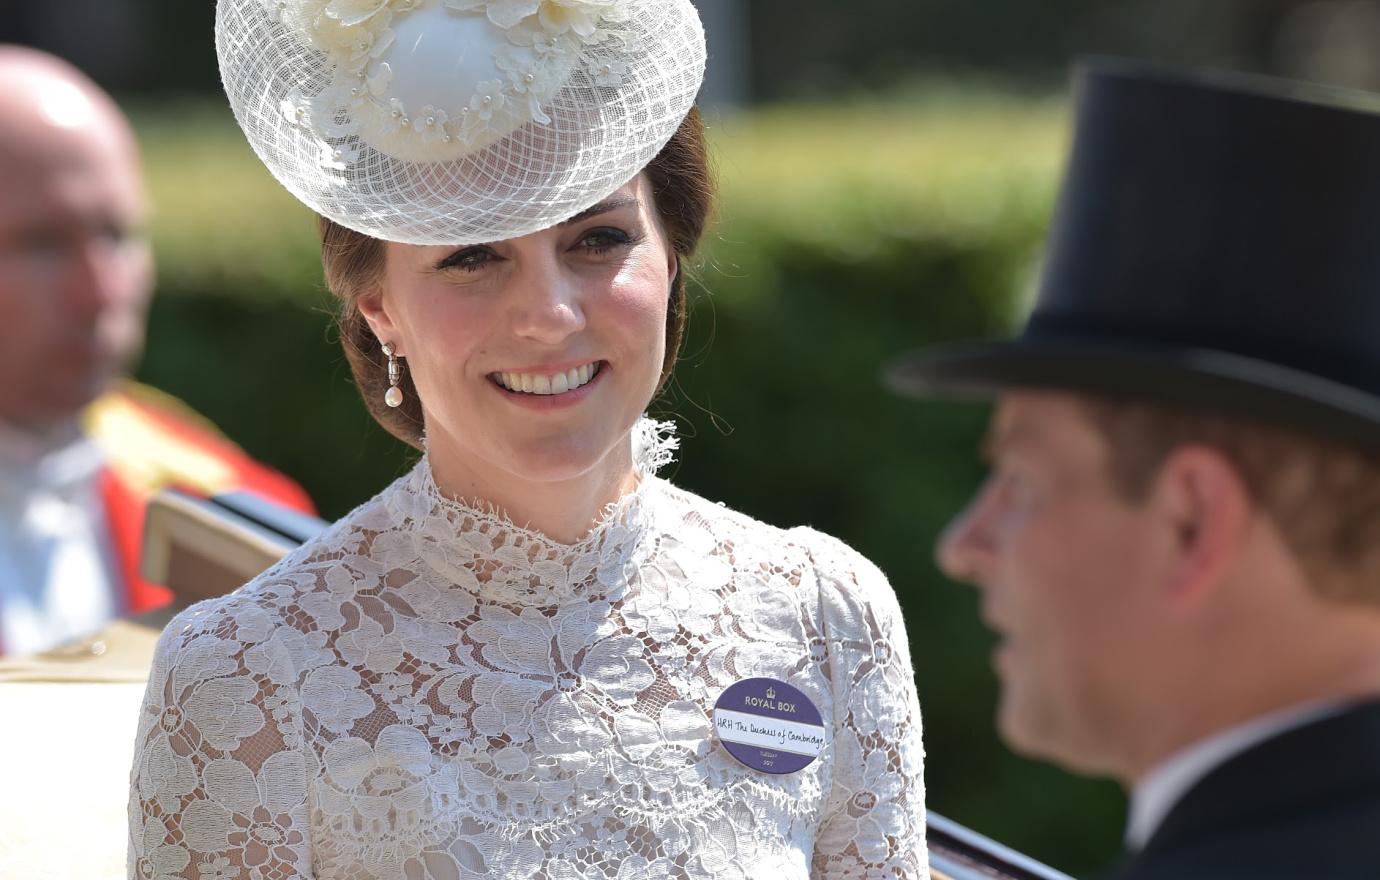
<point x="769" y="725"/>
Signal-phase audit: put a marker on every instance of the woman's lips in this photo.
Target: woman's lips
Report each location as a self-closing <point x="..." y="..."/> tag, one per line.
<point x="548" y="381"/>
<point x="550" y="389"/>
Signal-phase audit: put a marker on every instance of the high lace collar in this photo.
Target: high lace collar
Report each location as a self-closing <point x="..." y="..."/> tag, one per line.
<point x="475" y="546"/>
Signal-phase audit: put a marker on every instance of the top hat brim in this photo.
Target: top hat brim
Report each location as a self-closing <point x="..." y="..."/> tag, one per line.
<point x="1194" y="378"/>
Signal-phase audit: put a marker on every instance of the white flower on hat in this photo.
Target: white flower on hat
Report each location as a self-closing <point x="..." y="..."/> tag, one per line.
<point x="371" y="44"/>
<point x="312" y="22"/>
<point x="541" y="42"/>
<point x="354" y="12"/>
<point x="294" y="108"/>
<point x="504" y="13"/>
<point x="529" y="78"/>
<point x="610" y="74"/>
<point x="555" y="16"/>
<point x="581" y="16"/>
<point x="379" y="79"/>
<point x="330" y="36"/>
<point x="322" y="117"/>
<point x="430" y="124"/>
<point x="488" y="98"/>
<point x="336" y="158"/>
<point x="397" y="118"/>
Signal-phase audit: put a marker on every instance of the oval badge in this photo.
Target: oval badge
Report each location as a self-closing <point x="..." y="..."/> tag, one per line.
<point x="769" y="725"/>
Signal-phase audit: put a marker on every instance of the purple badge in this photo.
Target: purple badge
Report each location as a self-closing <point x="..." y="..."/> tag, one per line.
<point x="769" y="725"/>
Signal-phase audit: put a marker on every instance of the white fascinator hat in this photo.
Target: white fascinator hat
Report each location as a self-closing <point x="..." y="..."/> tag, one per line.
<point x="457" y="121"/>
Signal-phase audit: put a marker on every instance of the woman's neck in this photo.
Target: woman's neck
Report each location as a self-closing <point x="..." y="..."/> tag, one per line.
<point x="563" y="510"/>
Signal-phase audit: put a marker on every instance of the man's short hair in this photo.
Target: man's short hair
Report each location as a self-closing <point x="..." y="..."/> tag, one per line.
<point x="1323" y="495"/>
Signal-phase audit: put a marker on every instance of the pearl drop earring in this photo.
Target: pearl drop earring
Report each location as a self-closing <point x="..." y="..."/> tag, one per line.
<point x="393" y="396"/>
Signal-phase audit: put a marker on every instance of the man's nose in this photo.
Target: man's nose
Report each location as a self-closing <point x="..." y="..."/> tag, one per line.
<point x="549" y="307"/>
<point x="99" y="272"/>
<point x="966" y="542"/>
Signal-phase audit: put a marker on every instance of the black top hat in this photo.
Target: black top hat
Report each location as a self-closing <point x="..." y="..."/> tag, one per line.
<point x="1216" y="246"/>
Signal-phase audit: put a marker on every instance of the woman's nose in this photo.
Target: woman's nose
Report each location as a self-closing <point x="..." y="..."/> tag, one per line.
<point x="549" y="307"/>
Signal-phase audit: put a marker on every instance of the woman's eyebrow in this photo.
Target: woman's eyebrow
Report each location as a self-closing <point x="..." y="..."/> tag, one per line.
<point x="611" y="204"/>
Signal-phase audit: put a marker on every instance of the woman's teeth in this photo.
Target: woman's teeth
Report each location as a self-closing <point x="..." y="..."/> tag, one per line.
<point x="544" y="383"/>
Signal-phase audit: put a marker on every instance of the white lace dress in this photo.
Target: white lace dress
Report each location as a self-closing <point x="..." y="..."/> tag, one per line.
<point x="431" y="693"/>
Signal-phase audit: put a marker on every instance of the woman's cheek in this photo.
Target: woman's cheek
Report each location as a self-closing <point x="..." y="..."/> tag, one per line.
<point x="450" y="321"/>
<point x="644" y="297"/>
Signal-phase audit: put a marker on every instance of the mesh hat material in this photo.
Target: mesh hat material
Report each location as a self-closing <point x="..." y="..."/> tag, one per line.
<point x="457" y="121"/>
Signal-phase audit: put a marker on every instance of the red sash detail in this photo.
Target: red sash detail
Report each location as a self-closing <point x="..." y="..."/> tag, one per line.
<point x="124" y="510"/>
<point x="126" y="504"/>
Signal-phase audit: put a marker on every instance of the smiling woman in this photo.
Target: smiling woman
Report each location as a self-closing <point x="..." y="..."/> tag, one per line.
<point x="528" y="657"/>
<point x="682" y="195"/>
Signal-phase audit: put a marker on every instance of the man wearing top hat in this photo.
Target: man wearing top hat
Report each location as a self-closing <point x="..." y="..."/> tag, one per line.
<point x="1179" y="542"/>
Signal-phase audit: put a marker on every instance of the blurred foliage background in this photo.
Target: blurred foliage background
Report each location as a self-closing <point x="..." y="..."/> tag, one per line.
<point x="887" y="168"/>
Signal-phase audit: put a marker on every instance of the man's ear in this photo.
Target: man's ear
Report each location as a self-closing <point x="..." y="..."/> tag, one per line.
<point x="1206" y="509"/>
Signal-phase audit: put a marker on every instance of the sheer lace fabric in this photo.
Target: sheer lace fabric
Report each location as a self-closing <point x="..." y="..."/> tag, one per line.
<point x="430" y="692"/>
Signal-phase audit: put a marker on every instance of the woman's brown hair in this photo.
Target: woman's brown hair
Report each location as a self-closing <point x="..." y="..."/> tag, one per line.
<point x="353" y="262"/>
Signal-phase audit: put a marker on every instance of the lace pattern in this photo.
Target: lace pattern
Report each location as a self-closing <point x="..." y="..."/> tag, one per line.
<point x="430" y="692"/>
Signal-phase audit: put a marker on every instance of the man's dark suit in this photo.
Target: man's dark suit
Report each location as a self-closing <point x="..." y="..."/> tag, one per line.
<point x="1302" y="806"/>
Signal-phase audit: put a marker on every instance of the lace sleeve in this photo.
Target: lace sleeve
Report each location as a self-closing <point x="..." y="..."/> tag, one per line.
<point x="219" y="783"/>
<point x="873" y="822"/>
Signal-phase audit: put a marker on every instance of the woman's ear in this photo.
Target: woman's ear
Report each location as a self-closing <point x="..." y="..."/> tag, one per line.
<point x="374" y="308"/>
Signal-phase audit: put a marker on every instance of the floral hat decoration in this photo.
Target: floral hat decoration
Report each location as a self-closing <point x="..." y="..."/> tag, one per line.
<point x="457" y="121"/>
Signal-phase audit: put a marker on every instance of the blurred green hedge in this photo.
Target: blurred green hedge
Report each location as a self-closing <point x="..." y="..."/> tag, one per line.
<point x="848" y="234"/>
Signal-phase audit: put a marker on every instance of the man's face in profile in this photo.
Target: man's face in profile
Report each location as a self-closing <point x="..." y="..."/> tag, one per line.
<point x="75" y="272"/>
<point x="1065" y="568"/>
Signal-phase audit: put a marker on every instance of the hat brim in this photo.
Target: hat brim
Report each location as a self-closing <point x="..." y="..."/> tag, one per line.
<point x="1196" y="378"/>
<point x="547" y="139"/>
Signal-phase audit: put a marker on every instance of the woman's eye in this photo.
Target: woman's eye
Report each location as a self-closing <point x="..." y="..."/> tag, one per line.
<point x="598" y="241"/>
<point x="469" y="259"/>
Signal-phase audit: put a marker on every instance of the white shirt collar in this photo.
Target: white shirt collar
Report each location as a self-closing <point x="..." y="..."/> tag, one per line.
<point x="58" y="573"/>
<point x="61" y="459"/>
<point x="1168" y="781"/>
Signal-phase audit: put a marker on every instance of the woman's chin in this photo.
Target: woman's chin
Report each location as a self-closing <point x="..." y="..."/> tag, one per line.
<point x="562" y="459"/>
<point x="582" y="449"/>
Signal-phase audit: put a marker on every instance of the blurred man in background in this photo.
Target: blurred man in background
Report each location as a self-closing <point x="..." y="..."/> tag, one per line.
<point x="1179" y="543"/>
<point x="81" y="451"/>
